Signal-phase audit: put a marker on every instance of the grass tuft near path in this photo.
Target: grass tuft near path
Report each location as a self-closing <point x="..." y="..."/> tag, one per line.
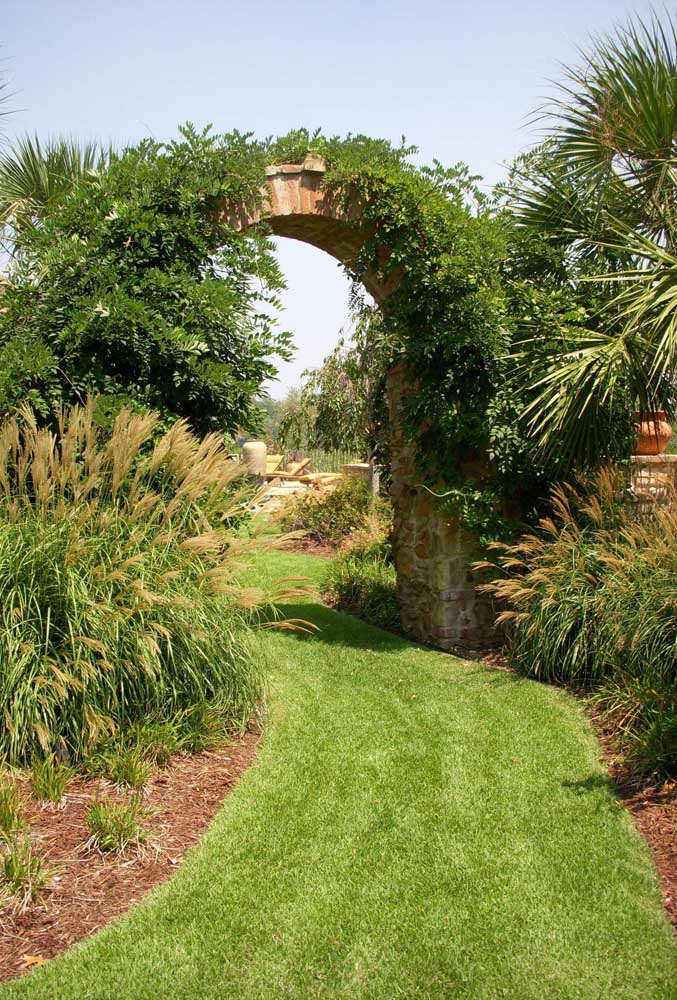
<point x="415" y="827"/>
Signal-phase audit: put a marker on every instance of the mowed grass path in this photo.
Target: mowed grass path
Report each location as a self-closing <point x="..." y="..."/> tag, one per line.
<point x="414" y="827"/>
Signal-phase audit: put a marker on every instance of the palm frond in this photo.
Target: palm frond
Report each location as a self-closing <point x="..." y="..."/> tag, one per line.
<point x="603" y="188"/>
<point x="574" y="392"/>
<point x="34" y="177"/>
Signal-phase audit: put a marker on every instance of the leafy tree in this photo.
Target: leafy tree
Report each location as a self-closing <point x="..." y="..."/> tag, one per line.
<point x="342" y="403"/>
<point x="270" y="410"/>
<point x="602" y="197"/>
<point x="133" y="288"/>
<point x="287" y="430"/>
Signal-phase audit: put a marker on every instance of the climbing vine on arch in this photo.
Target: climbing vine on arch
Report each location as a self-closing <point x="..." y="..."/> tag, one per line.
<point x="134" y="287"/>
<point x="469" y="282"/>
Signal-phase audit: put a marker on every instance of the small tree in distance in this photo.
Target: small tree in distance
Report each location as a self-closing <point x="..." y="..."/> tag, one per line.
<point x="341" y="404"/>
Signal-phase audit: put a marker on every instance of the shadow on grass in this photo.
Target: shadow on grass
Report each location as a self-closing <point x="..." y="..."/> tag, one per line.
<point x="594" y="783"/>
<point x="602" y="787"/>
<point x="339" y="629"/>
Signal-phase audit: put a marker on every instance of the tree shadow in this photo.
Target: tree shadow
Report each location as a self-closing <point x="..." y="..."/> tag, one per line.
<point x="593" y="783"/>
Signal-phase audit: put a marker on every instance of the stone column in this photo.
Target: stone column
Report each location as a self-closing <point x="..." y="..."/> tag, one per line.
<point x="439" y="603"/>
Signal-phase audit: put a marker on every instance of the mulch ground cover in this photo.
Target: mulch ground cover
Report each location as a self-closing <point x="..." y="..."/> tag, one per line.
<point x="309" y="547"/>
<point x="89" y="888"/>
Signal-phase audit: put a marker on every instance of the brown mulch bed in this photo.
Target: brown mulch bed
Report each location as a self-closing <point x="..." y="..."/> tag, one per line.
<point x="654" y="811"/>
<point x="90" y="889"/>
<point x="309" y="547"/>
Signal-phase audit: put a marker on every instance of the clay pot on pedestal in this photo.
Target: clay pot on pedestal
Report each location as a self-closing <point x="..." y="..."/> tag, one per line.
<point x="653" y="432"/>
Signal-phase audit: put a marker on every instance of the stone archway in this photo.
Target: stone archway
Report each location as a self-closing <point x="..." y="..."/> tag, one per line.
<point x="438" y="600"/>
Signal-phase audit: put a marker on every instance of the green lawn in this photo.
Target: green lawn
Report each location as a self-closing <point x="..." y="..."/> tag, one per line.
<point x="415" y="827"/>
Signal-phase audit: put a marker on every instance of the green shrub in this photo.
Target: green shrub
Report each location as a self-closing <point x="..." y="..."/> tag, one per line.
<point x="116" y="825"/>
<point x="589" y="600"/>
<point x="50" y="779"/>
<point x="362" y="581"/>
<point x="329" y="517"/>
<point x="117" y="596"/>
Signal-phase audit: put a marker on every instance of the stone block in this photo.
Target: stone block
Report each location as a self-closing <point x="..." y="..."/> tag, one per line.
<point x="404" y="562"/>
<point x="424" y="545"/>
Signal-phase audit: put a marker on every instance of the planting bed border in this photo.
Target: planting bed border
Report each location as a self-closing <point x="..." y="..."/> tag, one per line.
<point x="89" y="889"/>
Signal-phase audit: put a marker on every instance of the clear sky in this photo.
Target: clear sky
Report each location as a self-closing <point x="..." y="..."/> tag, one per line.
<point x="457" y="78"/>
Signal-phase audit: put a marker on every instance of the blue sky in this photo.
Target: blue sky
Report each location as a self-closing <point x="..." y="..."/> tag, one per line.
<point x="458" y="79"/>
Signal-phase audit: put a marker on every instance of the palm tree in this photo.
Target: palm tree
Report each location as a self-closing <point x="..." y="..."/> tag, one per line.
<point x="35" y="177"/>
<point x="606" y="192"/>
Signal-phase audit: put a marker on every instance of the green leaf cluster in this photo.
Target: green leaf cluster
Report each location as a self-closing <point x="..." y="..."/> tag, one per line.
<point x="133" y="287"/>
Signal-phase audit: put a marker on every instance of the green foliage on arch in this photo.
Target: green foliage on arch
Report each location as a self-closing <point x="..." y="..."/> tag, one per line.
<point x="448" y="321"/>
<point x="471" y="281"/>
<point x="132" y="287"/>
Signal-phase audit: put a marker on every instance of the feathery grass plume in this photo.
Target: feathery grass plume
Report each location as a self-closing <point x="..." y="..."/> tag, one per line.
<point x="110" y="546"/>
<point x="590" y="599"/>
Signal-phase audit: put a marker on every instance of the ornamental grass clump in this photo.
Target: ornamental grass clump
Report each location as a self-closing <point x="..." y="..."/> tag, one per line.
<point x="50" y="779"/>
<point x="23" y="873"/>
<point x="362" y="581"/>
<point x="114" y="826"/>
<point x="11" y="819"/>
<point x="590" y="600"/>
<point x="118" y="600"/>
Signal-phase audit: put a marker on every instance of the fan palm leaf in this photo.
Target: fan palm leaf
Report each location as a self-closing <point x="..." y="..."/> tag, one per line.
<point x="34" y="177"/>
<point x="607" y="192"/>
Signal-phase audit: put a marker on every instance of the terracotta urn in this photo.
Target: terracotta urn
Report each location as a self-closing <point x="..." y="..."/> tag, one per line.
<point x="653" y="432"/>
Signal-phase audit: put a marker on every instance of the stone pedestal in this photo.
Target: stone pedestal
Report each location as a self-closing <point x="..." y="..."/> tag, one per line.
<point x="654" y="478"/>
<point x="439" y="603"/>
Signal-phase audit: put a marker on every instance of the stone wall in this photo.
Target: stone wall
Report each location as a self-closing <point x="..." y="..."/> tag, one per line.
<point x="439" y="603"/>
